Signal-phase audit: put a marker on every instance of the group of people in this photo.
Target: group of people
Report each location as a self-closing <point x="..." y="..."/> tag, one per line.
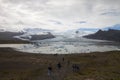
<point x="50" y="70"/>
<point x="75" y="67"/>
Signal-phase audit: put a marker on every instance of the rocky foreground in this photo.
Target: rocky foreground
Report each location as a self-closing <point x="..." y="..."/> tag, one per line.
<point x="27" y="66"/>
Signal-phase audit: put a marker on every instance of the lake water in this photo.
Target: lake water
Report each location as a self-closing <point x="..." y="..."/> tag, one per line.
<point x="65" y="45"/>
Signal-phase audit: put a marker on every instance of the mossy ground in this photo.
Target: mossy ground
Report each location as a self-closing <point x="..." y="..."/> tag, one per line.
<point x="27" y="66"/>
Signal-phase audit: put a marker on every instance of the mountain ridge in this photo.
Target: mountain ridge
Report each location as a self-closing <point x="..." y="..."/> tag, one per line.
<point x="21" y="37"/>
<point x="111" y="35"/>
<point x="116" y="27"/>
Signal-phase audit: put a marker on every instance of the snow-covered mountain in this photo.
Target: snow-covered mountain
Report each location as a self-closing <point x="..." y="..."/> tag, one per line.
<point x="36" y="31"/>
<point x="74" y="33"/>
<point x="89" y="29"/>
<point x="116" y="27"/>
<point x="35" y="34"/>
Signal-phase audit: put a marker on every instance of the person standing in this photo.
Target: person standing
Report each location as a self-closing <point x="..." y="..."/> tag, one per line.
<point x="63" y="59"/>
<point x="49" y="70"/>
<point x="59" y="65"/>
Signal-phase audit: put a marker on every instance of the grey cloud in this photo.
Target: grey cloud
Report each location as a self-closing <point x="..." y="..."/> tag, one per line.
<point x="25" y="1"/>
<point x="56" y="22"/>
<point x="38" y="13"/>
<point x="111" y="13"/>
<point x="82" y="22"/>
<point x="32" y="5"/>
<point x="110" y="2"/>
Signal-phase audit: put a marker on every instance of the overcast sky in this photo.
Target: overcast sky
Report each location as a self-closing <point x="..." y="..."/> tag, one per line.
<point x="58" y="14"/>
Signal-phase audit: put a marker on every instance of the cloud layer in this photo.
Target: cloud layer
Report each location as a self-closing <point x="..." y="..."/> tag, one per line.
<point x="58" y="14"/>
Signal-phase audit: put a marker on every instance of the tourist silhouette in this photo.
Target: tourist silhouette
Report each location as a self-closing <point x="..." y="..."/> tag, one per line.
<point x="75" y="68"/>
<point x="49" y="70"/>
<point x="59" y="65"/>
<point x="63" y="59"/>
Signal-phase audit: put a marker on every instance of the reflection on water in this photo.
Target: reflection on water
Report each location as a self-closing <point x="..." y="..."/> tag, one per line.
<point x="61" y="45"/>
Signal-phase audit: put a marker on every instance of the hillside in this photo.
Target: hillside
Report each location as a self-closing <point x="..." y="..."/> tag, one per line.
<point x="41" y="37"/>
<point x="111" y="35"/>
<point x="116" y="27"/>
<point x="25" y="66"/>
<point x="8" y="37"/>
<point x="17" y="37"/>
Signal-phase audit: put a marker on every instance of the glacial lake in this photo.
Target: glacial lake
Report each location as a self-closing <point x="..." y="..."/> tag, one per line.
<point x="65" y="45"/>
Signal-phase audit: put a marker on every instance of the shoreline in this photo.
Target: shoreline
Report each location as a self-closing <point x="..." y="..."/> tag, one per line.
<point x="15" y="65"/>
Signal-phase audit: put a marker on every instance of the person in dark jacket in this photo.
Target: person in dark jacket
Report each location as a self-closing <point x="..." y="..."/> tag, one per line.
<point x="49" y="70"/>
<point x="59" y="65"/>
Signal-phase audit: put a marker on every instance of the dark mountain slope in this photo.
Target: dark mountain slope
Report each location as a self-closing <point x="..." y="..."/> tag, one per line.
<point x="111" y="35"/>
<point x="9" y="35"/>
